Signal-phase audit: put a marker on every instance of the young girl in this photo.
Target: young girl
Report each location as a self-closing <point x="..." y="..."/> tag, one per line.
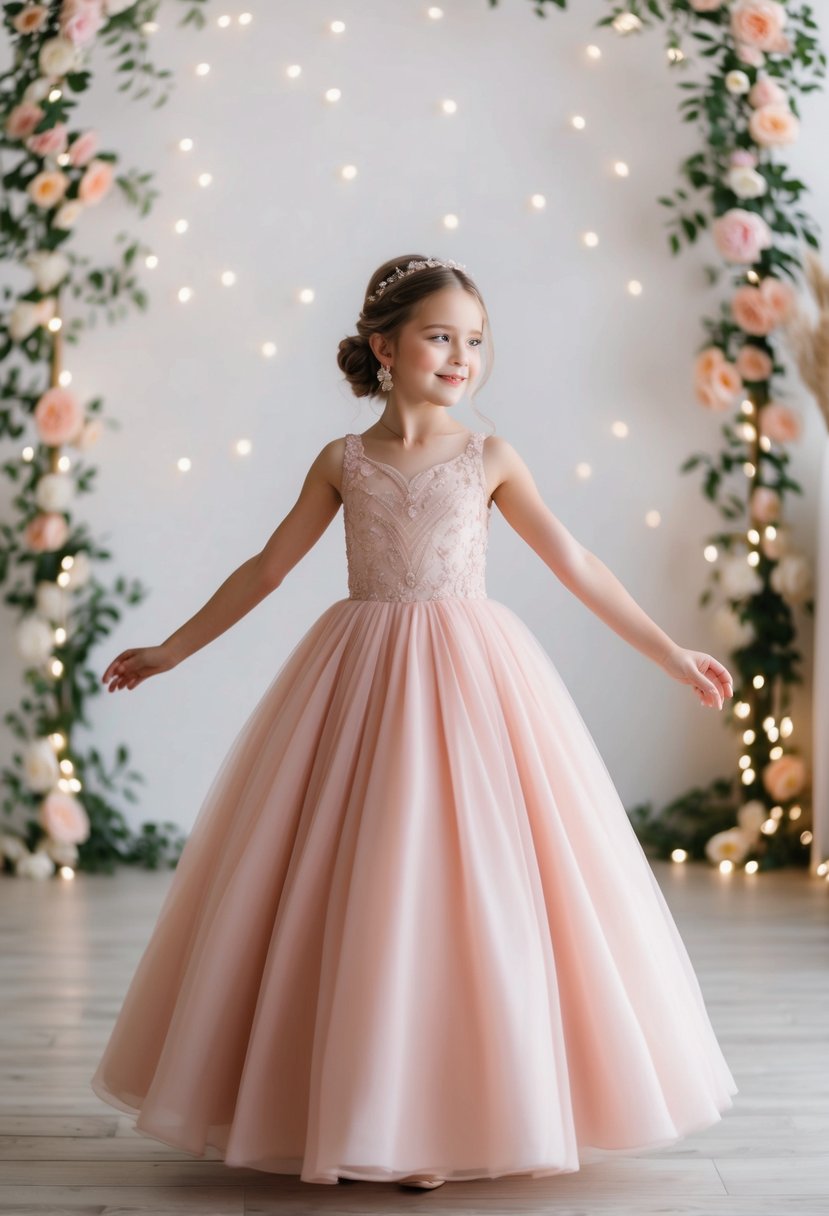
<point x="412" y="934"/>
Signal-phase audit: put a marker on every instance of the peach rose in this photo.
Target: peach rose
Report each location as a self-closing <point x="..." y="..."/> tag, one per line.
<point x="766" y="92"/>
<point x="58" y="416"/>
<point x="67" y="215"/>
<point x="48" y="188"/>
<point x="784" y="778"/>
<point x="774" y="125"/>
<point x="765" y="505"/>
<point x="80" y="20"/>
<point x="720" y="386"/>
<point x="23" y="119"/>
<point x="48" y="143"/>
<point x="753" y="312"/>
<point x="740" y="235"/>
<point x="779" y="422"/>
<point x="707" y="360"/>
<point x="758" y="23"/>
<point x="83" y="148"/>
<point x="46" y="532"/>
<point x="96" y="181"/>
<point x="753" y="363"/>
<point x="31" y="19"/>
<point x="779" y="296"/>
<point x="63" y="818"/>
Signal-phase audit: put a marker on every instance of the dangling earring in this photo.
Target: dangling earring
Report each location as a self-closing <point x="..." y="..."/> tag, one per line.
<point x="384" y="376"/>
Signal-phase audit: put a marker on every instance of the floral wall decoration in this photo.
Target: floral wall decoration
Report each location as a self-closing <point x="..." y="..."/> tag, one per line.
<point x="740" y="66"/>
<point x="62" y="803"/>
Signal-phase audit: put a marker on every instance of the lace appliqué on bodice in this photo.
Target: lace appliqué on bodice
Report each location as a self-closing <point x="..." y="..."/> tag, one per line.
<point x="416" y="538"/>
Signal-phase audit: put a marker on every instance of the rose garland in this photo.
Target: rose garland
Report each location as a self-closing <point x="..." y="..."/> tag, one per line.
<point x="67" y="795"/>
<point x="761" y="54"/>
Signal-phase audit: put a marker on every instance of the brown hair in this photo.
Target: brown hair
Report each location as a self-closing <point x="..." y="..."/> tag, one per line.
<point x="394" y="308"/>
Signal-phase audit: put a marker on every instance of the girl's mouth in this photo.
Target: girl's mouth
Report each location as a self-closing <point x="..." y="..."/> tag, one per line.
<point x="452" y="379"/>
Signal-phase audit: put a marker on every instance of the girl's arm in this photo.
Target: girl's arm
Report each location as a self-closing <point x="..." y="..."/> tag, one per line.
<point x="316" y="506"/>
<point x="583" y="573"/>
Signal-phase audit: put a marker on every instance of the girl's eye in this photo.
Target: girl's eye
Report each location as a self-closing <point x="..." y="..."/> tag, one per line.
<point x="477" y="341"/>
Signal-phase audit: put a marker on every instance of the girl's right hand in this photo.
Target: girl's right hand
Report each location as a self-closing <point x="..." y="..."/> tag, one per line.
<point x="130" y="667"/>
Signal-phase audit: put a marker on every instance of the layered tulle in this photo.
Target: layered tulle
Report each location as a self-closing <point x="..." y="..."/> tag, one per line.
<point x="412" y="927"/>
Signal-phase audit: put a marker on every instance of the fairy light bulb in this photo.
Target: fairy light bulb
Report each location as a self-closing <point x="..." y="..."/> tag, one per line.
<point x="66" y="872"/>
<point x="620" y="429"/>
<point x="28" y="454"/>
<point x="293" y="71"/>
<point x="60" y="635"/>
<point x="786" y="727"/>
<point x="186" y="144"/>
<point x="348" y="172"/>
<point x="57" y="740"/>
<point x="749" y="736"/>
<point x="66" y="766"/>
<point x="593" y="51"/>
<point x="590" y="239"/>
<point x="626" y="23"/>
<point x="675" y="54"/>
<point x="449" y="106"/>
<point x="679" y="855"/>
<point x="742" y="709"/>
<point x="538" y="201"/>
<point x="578" y="121"/>
<point x="223" y="22"/>
<point x="185" y="294"/>
<point x="806" y="837"/>
<point x="620" y="168"/>
<point x="204" y="179"/>
<point x="748" y="776"/>
<point x="151" y="261"/>
<point x="337" y="27"/>
<point x="63" y="579"/>
<point x="751" y="867"/>
<point x="726" y="866"/>
<point x="65" y="378"/>
<point x="749" y="469"/>
<point x="583" y="470"/>
<point x="753" y="558"/>
<point x="434" y="13"/>
<point x="710" y="553"/>
<point x="634" y="287"/>
<point x="243" y="447"/>
<point x="753" y="536"/>
<point x="183" y="464"/>
<point x="333" y="94"/>
<point x="306" y="296"/>
<point x="269" y="349"/>
<point x="67" y="562"/>
<point x="245" y="18"/>
<point x="653" y="519"/>
<point x="795" y="812"/>
<point x="64" y="464"/>
<point x="450" y="220"/>
<point x="56" y="667"/>
<point x="202" y="69"/>
<point x="55" y="324"/>
<point x="228" y="278"/>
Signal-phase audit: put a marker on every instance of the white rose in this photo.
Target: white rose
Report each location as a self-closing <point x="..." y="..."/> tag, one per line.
<point x="746" y="182"/>
<point x="35" y="865"/>
<point x="67" y="214"/>
<point x="57" y="57"/>
<point x="63" y="853"/>
<point x="38" y="90"/>
<point x="730" y="630"/>
<point x="34" y="639"/>
<point x="112" y="7"/>
<point x="54" y="491"/>
<point x="12" y="847"/>
<point x="79" y="572"/>
<point x="40" y="766"/>
<point x="731" y="845"/>
<point x="51" y="601"/>
<point x="792" y="578"/>
<point x="50" y="267"/>
<point x="750" y="816"/>
<point x="738" y="579"/>
<point x="23" y="320"/>
<point x="737" y="82"/>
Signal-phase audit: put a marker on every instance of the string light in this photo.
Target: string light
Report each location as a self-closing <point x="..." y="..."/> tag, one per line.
<point x="202" y="69"/>
<point x="183" y="464"/>
<point x="348" y="172"/>
<point x="306" y="295"/>
<point x="333" y="94"/>
<point x="268" y="349"/>
<point x="434" y="13"/>
<point x="185" y="294"/>
<point x="583" y="470"/>
<point x="292" y="71"/>
<point x="634" y="287"/>
<point x="450" y="221"/>
<point x="679" y="855"/>
<point x="593" y="51"/>
<point x="590" y="239"/>
<point x="620" y="168"/>
<point x="578" y="121"/>
<point x="181" y="226"/>
<point x="337" y="27"/>
<point x="449" y="106"/>
<point x="538" y="201"/>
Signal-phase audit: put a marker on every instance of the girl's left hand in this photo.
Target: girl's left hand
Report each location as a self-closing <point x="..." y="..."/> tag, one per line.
<point x="710" y="680"/>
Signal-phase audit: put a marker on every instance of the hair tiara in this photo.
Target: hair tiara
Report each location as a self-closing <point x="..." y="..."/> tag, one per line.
<point x="410" y="269"/>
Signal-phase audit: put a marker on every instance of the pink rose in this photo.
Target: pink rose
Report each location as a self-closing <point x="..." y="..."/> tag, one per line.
<point x="766" y="92"/>
<point x="46" y="531"/>
<point x="48" y="143"/>
<point x="80" y="20"/>
<point x="758" y="23"/>
<point x="47" y="188"/>
<point x="83" y="148"/>
<point x="23" y="119"/>
<point x="779" y="422"/>
<point x="773" y="126"/>
<point x="742" y="157"/>
<point x="750" y="55"/>
<point x="784" y="778"/>
<point x="753" y="363"/>
<point x="782" y="45"/>
<point x="58" y="416"/>
<point x="752" y="312"/>
<point x="707" y="360"/>
<point x="64" y="819"/>
<point x="740" y="235"/>
<point x="30" y="19"/>
<point x="96" y="181"/>
<point x="718" y="388"/>
<point x="765" y="505"/>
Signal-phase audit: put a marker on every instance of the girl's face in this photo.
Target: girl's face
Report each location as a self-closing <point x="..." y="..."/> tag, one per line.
<point x="442" y="339"/>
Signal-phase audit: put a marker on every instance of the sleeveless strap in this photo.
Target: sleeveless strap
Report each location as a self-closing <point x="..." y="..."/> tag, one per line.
<point x="351" y="458"/>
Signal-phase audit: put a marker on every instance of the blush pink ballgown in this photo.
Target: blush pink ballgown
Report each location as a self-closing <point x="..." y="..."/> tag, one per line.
<point x="412" y="929"/>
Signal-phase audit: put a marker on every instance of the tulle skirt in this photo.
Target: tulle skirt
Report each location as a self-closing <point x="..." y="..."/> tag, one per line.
<point x="412" y="927"/>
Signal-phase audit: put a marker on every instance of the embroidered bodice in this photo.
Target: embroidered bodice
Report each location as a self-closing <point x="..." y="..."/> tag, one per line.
<point x="415" y="538"/>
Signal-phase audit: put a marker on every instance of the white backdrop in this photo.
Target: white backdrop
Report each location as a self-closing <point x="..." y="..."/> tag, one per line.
<point x="574" y="351"/>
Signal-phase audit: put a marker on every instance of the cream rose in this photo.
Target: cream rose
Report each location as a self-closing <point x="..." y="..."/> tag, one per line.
<point x="731" y="631"/>
<point x="738" y="579"/>
<point x="34" y="640"/>
<point x="746" y="182"/>
<point x="54" y="492"/>
<point x="737" y="82"/>
<point x="67" y="215"/>
<point x="765" y="505"/>
<point x="40" y="766"/>
<point x="63" y="818"/>
<point x="51" y="600"/>
<point x="57" y="57"/>
<point x="12" y="846"/>
<point x="730" y="845"/>
<point x="751" y="816"/>
<point x="35" y="865"/>
<point x="49" y="267"/>
<point x="791" y="578"/>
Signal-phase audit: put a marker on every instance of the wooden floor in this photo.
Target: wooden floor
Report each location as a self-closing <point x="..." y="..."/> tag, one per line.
<point x="759" y="945"/>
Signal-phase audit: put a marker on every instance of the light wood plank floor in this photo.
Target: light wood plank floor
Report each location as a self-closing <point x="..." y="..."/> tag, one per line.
<point x="759" y="945"/>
